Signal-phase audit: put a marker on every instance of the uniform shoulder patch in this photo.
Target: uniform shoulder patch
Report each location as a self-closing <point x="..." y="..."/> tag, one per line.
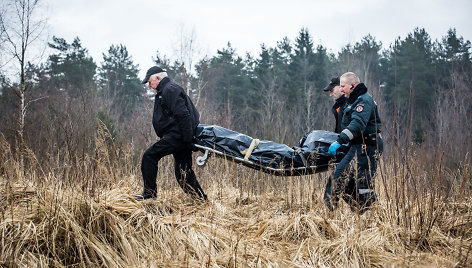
<point x="359" y="108"/>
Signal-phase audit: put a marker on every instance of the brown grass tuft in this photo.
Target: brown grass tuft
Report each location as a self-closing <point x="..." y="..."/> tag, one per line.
<point x="83" y="215"/>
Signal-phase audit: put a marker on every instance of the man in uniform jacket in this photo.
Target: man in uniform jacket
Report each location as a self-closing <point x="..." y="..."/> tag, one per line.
<point x="174" y="119"/>
<point x="361" y="129"/>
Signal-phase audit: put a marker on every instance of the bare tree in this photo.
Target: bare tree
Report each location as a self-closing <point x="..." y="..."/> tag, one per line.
<point x="21" y="24"/>
<point x="453" y="124"/>
<point x="187" y="51"/>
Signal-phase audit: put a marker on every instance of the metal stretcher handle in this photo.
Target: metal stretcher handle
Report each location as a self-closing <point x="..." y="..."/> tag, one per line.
<point x="201" y="160"/>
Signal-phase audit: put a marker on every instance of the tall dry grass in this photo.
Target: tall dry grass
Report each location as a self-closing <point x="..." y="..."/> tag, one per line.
<point x="82" y="214"/>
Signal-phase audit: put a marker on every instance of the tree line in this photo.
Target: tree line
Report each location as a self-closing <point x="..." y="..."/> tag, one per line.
<point x="420" y="85"/>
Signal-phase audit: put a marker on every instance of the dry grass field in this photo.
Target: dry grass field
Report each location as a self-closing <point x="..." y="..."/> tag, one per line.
<point x="83" y="215"/>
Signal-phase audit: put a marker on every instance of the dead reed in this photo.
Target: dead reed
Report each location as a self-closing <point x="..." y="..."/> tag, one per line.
<point x="82" y="214"/>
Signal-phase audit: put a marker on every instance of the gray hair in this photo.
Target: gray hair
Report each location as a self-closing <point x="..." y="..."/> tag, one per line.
<point x="350" y="78"/>
<point x="160" y="75"/>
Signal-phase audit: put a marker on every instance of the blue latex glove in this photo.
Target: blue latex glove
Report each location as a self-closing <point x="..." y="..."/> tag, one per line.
<point x="333" y="147"/>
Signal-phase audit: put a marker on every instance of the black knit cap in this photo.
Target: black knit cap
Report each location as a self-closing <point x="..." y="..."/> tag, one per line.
<point x="151" y="71"/>
<point x="334" y="82"/>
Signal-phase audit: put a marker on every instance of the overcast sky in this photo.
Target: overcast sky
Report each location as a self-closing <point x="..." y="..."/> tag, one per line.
<point x="145" y="26"/>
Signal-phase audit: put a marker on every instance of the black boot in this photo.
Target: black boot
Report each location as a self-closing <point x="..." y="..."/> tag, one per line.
<point x="147" y="194"/>
<point x="366" y="200"/>
<point x="331" y="202"/>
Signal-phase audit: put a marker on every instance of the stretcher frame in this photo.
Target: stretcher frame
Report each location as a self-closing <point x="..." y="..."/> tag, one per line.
<point x="294" y="171"/>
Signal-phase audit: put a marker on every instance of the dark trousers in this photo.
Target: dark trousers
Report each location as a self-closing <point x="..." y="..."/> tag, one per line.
<point x="354" y="182"/>
<point x="182" y="166"/>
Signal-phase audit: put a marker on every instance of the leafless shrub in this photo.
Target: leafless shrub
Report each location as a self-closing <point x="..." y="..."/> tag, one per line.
<point x="453" y="122"/>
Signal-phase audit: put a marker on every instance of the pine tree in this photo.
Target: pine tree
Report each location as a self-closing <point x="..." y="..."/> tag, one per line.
<point x="455" y="53"/>
<point x="363" y="59"/>
<point x="410" y="82"/>
<point x="228" y="85"/>
<point x="119" y="82"/>
<point x="71" y="68"/>
<point x="301" y="68"/>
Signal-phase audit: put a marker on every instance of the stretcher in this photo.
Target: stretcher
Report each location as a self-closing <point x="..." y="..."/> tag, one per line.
<point x="308" y="157"/>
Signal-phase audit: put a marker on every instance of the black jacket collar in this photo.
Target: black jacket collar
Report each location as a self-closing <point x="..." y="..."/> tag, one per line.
<point x="161" y="85"/>
<point x="340" y="102"/>
<point x="358" y="90"/>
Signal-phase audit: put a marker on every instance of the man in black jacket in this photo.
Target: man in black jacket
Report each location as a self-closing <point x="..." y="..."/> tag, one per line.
<point x="338" y="108"/>
<point x="339" y="102"/>
<point x="174" y="119"/>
